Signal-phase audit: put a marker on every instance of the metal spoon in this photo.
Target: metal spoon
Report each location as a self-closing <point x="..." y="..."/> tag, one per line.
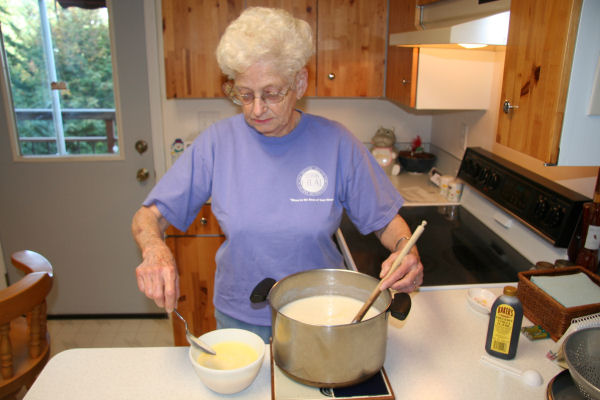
<point x="193" y="340"/>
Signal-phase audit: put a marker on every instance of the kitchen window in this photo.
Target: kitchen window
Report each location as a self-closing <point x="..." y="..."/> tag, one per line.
<point x="57" y="79"/>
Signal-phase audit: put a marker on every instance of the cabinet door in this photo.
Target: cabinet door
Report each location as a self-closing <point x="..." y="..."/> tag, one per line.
<point x="351" y="48"/>
<point x="194" y="252"/>
<point x="303" y="9"/>
<point x="402" y="62"/>
<point x="539" y="54"/>
<point x="403" y="16"/>
<point x="402" y="75"/>
<point x="191" y="33"/>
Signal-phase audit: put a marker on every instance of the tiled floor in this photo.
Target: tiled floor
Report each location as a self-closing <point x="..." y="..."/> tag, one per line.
<point x="78" y="333"/>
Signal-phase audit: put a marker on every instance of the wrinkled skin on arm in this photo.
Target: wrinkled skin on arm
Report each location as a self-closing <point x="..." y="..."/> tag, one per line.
<point x="157" y="275"/>
<point x="409" y="275"/>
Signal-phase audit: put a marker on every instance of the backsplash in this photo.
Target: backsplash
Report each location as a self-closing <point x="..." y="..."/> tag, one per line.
<point x="185" y="119"/>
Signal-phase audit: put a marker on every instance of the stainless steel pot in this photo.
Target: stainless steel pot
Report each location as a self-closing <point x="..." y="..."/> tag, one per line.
<point x="330" y="356"/>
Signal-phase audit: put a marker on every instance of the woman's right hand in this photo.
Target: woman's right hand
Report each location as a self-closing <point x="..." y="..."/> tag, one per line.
<point x="157" y="277"/>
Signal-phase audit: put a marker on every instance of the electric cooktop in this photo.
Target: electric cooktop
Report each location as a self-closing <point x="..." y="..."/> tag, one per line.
<point x="455" y="248"/>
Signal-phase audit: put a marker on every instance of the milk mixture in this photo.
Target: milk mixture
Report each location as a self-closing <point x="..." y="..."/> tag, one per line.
<point x="326" y="309"/>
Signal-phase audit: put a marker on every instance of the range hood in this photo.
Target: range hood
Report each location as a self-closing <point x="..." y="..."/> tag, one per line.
<point x="449" y="23"/>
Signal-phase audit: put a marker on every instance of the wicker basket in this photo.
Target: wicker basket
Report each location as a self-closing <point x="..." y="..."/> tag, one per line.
<point x="542" y="309"/>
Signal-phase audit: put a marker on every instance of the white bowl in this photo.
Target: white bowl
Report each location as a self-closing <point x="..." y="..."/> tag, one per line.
<point x="481" y="300"/>
<point x="231" y="380"/>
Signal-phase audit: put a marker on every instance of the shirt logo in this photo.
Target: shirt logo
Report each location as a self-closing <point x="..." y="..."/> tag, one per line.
<point x="312" y="181"/>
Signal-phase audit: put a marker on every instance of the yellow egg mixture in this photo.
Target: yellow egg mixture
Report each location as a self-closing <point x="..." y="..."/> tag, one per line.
<point x="230" y="355"/>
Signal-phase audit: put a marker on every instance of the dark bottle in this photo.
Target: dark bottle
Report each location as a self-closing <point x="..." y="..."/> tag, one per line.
<point x="504" y="328"/>
<point x="587" y="255"/>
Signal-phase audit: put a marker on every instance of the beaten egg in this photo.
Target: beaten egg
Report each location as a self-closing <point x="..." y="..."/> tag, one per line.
<point x="230" y="355"/>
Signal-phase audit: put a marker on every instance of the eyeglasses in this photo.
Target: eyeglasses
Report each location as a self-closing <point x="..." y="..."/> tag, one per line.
<point x="245" y="98"/>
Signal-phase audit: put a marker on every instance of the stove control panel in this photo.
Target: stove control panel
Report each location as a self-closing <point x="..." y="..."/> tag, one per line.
<point x="548" y="208"/>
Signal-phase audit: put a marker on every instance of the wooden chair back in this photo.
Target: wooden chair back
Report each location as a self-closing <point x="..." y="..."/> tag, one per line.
<point x="24" y="339"/>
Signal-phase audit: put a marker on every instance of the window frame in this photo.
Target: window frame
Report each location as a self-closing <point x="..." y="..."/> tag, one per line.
<point x="9" y="110"/>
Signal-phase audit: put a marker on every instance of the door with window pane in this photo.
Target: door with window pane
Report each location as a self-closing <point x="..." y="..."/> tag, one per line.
<point x="60" y="72"/>
<point x="76" y="207"/>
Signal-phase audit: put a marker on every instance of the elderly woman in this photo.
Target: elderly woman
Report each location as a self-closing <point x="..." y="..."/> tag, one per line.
<point x="278" y="179"/>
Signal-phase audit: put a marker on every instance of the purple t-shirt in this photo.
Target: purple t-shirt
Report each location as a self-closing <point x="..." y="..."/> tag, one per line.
<point x="279" y="200"/>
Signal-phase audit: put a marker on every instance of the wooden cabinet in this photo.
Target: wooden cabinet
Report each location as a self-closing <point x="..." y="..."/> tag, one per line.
<point x="351" y="43"/>
<point x="194" y="252"/>
<point x="303" y="9"/>
<point x="350" y="39"/>
<point x="191" y="33"/>
<point x="402" y="67"/>
<point x="539" y="54"/>
<point x="402" y="62"/>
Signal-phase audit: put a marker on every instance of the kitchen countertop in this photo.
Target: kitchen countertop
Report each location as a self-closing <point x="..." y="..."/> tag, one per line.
<point x="433" y="354"/>
<point x="436" y="353"/>
<point x="418" y="190"/>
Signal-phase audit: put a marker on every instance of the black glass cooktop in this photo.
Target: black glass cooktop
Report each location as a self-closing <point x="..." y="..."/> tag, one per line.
<point x="455" y="248"/>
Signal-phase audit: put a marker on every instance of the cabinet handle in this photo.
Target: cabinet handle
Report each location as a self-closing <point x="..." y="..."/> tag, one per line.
<point x="203" y="221"/>
<point x="331" y="76"/>
<point x="507" y="106"/>
<point x="404" y="81"/>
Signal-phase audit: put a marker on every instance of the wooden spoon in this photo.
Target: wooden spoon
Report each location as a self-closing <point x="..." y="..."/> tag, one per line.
<point x="411" y="242"/>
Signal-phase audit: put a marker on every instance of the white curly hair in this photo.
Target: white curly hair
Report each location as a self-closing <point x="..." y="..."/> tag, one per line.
<point x="265" y="34"/>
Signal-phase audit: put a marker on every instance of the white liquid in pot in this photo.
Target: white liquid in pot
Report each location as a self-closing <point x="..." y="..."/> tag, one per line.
<point x="327" y="309"/>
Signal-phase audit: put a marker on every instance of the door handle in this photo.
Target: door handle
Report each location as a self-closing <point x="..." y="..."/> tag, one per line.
<point x="141" y="146"/>
<point x="142" y="175"/>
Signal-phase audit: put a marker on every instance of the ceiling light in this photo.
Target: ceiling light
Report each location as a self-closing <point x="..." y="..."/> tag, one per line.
<point x="472" y="45"/>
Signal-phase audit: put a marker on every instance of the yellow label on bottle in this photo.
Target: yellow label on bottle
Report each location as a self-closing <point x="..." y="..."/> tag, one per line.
<point x="503" y="327"/>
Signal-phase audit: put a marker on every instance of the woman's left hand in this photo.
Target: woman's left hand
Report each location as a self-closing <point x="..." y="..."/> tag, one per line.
<point x="409" y="274"/>
<point x="407" y="277"/>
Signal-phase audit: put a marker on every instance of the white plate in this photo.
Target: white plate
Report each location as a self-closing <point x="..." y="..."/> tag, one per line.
<point x="481" y="300"/>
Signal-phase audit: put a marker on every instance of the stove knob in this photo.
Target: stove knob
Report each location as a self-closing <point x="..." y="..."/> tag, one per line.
<point x="483" y="173"/>
<point x="541" y="208"/>
<point x="474" y="169"/>
<point x="555" y="216"/>
<point x="493" y="181"/>
<point x="487" y="175"/>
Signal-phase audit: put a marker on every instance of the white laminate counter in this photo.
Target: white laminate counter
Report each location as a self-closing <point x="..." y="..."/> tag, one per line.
<point x="434" y="354"/>
<point x="418" y="190"/>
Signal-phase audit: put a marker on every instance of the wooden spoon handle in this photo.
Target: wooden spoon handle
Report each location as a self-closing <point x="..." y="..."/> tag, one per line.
<point x="409" y="245"/>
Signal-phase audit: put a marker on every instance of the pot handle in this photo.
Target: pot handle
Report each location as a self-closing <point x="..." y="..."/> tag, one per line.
<point x="400" y="306"/>
<point x="261" y="291"/>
